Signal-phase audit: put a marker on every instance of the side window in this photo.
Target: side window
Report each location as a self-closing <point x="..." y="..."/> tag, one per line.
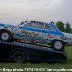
<point x="47" y="27"/>
<point x="37" y="25"/>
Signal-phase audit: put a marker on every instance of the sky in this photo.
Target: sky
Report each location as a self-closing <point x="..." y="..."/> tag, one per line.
<point x="15" y="11"/>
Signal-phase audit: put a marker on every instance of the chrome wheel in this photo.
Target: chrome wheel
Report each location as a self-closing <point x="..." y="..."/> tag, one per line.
<point x="5" y="36"/>
<point x="58" y="44"/>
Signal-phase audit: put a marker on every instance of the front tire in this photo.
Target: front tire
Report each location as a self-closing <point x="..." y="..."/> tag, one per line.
<point x="5" y="35"/>
<point x="57" y="45"/>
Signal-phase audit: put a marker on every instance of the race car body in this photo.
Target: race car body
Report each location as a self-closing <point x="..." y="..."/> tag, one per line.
<point x="34" y="32"/>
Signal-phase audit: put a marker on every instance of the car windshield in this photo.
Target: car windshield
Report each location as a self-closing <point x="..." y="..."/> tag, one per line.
<point x="23" y="23"/>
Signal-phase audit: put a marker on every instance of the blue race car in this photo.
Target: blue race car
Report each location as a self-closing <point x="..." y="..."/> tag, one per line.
<point x="34" y="32"/>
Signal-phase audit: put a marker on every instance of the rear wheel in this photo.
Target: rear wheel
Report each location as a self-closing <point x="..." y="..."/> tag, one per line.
<point x="57" y="45"/>
<point x="5" y="35"/>
<point x="19" y="57"/>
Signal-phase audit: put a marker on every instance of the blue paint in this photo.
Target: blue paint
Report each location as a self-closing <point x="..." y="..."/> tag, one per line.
<point x="6" y="25"/>
<point x="56" y="31"/>
<point x="2" y="24"/>
<point x="42" y="30"/>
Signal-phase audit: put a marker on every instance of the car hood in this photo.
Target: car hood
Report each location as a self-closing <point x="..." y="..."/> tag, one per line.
<point x="7" y="25"/>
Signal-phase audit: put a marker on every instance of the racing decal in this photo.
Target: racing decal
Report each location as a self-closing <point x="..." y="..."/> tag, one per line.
<point x="6" y="28"/>
<point x="29" y="33"/>
<point x="51" y="36"/>
<point x="43" y="31"/>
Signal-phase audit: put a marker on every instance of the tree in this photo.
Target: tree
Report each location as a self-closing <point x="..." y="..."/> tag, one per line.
<point x="60" y="25"/>
<point x="68" y="28"/>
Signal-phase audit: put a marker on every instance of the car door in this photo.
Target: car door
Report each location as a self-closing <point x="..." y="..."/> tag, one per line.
<point x="31" y="31"/>
<point x="47" y="33"/>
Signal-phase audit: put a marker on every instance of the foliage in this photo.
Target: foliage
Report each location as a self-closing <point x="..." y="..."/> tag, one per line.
<point x="60" y="25"/>
<point x="68" y="28"/>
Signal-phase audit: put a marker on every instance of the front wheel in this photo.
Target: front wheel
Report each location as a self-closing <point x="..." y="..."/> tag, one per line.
<point x="57" y="45"/>
<point x="5" y="35"/>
